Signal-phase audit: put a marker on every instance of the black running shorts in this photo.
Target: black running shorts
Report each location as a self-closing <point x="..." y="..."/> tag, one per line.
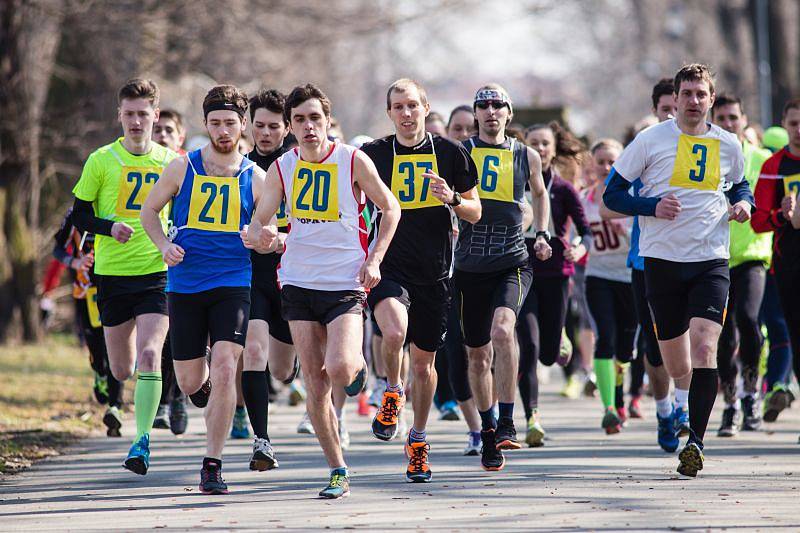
<point x="265" y="304"/>
<point x="677" y="292"/>
<point x="427" y="309"/>
<point x="123" y="298"/>
<point x="313" y="305"/>
<point x="482" y="293"/>
<point x="220" y="313"/>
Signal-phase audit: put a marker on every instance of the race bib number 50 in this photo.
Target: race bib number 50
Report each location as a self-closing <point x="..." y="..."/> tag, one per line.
<point x="135" y="184"/>
<point x="696" y="164"/>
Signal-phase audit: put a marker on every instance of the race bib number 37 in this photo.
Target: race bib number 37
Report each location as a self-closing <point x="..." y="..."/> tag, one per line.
<point x="412" y="190"/>
<point x="215" y="204"/>
<point x="135" y="184"/>
<point x="315" y="191"/>
<point x="495" y="173"/>
<point x="696" y="164"/>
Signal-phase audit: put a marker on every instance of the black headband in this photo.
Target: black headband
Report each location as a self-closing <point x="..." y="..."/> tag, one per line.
<point x="223" y="106"/>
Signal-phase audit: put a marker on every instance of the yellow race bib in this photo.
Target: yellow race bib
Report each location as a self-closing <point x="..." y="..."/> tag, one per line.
<point x="411" y="189"/>
<point x="135" y="184"/>
<point x="791" y="185"/>
<point x="696" y="164"/>
<point x="215" y="204"/>
<point x="315" y="191"/>
<point x="91" y="306"/>
<point x="495" y="172"/>
<point x="283" y="219"/>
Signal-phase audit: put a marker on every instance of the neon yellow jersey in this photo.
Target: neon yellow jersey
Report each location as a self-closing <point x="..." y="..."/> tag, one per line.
<point x="117" y="183"/>
<point x="747" y="245"/>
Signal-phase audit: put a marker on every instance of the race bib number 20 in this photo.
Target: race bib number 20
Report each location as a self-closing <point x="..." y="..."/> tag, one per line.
<point x="315" y="191"/>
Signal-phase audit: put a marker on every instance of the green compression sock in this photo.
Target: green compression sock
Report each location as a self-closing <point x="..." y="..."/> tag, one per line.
<point x="606" y="379"/>
<point x="145" y="398"/>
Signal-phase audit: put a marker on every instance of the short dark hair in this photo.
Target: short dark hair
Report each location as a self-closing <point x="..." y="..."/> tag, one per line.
<point x="303" y="93"/>
<point x="794" y="103"/>
<point x="726" y="99"/>
<point x="664" y="86"/>
<point x="232" y="97"/>
<point x="694" y="72"/>
<point x="139" y="88"/>
<point x="401" y="85"/>
<point x="269" y="99"/>
<point x="466" y="108"/>
<point x="174" y="116"/>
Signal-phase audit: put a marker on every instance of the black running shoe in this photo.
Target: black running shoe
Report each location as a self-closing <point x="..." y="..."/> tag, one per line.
<point x="751" y="420"/>
<point x="295" y="371"/>
<point x="211" y="481"/>
<point x="113" y="421"/>
<point x="200" y="398"/>
<point x="178" y="417"/>
<point x="161" y="421"/>
<point x="778" y="399"/>
<point x="360" y="383"/>
<point x="730" y="422"/>
<point x="506" y="434"/>
<point x="491" y="458"/>
<point x="691" y="459"/>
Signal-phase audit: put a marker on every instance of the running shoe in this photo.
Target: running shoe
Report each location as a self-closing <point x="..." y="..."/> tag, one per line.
<point x="572" y="388"/>
<point x="178" y="416"/>
<point x="635" y="408"/>
<point x="338" y="486"/>
<point x="239" y="429"/>
<point x="263" y="457"/>
<point x="344" y="435"/>
<point x="491" y="457"/>
<point x="363" y="408"/>
<point x="731" y="418"/>
<point x="506" y="434"/>
<point x="682" y="422"/>
<point x="778" y="399"/>
<point x="295" y="371"/>
<point x="534" y="438"/>
<point x="138" y="460"/>
<point x="376" y="396"/>
<point x="100" y="389"/>
<point x="113" y="421"/>
<point x="418" y="470"/>
<point x="201" y="396"/>
<point x="161" y="421"/>
<point x="611" y="422"/>
<point x="305" y="427"/>
<point x="211" y="481"/>
<point x="691" y="459"/>
<point x="473" y="446"/>
<point x="622" y="414"/>
<point x="590" y="385"/>
<point x="359" y="384"/>
<point x="449" y="411"/>
<point x="297" y="393"/>
<point x="385" y="423"/>
<point x="667" y="438"/>
<point x="751" y="419"/>
<point x="565" y="350"/>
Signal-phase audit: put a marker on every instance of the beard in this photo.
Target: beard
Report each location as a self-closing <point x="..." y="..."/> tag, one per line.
<point x="226" y="149"/>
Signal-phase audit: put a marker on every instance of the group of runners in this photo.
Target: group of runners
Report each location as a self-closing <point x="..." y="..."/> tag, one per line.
<point x="468" y="242"/>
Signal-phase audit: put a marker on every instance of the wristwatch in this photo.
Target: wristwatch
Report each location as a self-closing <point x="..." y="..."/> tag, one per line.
<point x="543" y="233"/>
<point x="456" y="200"/>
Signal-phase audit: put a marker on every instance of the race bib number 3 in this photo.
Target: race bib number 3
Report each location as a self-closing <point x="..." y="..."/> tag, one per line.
<point x="315" y="191"/>
<point x="696" y="164"/>
<point x="135" y="184"/>
<point x="215" y="204"/>
<point x="791" y="185"/>
<point x="495" y="173"/>
<point x="411" y="189"/>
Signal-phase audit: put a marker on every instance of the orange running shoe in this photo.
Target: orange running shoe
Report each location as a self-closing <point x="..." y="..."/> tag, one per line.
<point x="384" y="425"/>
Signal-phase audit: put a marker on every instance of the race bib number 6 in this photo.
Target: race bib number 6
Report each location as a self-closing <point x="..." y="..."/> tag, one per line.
<point x="411" y="189"/>
<point x="215" y="204"/>
<point x="495" y="173"/>
<point x="135" y="184"/>
<point x="696" y="164"/>
<point x="315" y="191"/>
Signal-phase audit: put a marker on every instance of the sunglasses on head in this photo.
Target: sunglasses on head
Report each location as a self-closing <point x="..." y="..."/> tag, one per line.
<point x="494" y="104"/>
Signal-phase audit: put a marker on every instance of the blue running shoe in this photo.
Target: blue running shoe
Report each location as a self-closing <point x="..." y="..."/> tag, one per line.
<point x="338" y="486"/>
<point x="138" y="460"/>
<point x="239" y="429"/>
<point x="667" y="436"/>
<point x="681" y="419"/>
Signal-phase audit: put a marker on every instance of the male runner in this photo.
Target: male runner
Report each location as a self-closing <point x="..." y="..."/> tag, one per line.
<point x="131" y="275"/>
<point x="683" y="164"/>
<point x="429" y="175"/>
<point x="213" y="191"/>
<point x="326" y="266"/>
<point x="492" y="269"/>
<point x="268" y="336"/>
<point x="750" y="255"/>
<point x="169" y="131"/>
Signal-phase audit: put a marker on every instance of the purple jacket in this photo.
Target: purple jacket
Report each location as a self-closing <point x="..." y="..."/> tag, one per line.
<point x="565" y="205"/>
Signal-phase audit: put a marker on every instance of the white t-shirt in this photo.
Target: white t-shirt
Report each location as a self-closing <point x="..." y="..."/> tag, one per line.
<point x="608" y="258"/>
<point x="693" y="168"/>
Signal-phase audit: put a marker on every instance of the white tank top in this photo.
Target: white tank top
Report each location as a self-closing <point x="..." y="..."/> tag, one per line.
<point x="327" y="241"/>
<point x="608" y="258"/>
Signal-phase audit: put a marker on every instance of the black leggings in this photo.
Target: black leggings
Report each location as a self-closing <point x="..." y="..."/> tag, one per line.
<point x="454" y="353"/>
<point x="169" y="383"/>
<point x="539" y="327"/>
<point x="788" y="282"/>
<point x="98" y="355"/>
<point x="742" y="328"/>
<point x="645" y="319"/>
<point x="611" y="305"/>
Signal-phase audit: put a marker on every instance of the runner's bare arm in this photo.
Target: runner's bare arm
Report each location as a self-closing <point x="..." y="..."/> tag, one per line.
<point x="162" y="192"/>
<point x="260" y="235"/>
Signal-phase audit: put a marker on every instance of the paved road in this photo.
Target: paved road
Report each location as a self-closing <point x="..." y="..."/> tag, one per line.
<point x="580" y="480"/>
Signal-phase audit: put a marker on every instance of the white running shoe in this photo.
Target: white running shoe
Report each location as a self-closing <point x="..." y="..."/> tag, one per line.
<point x="305" y="427"/>
<point x="263" y="456"/>
<point x="344" y="435"/>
